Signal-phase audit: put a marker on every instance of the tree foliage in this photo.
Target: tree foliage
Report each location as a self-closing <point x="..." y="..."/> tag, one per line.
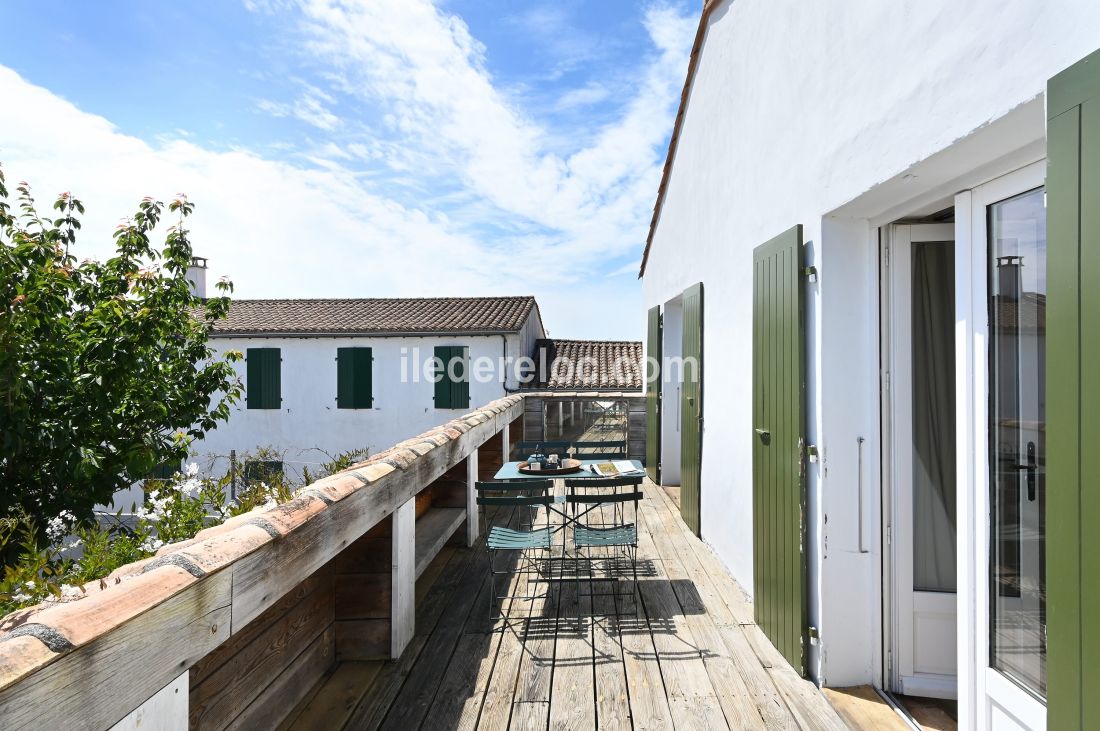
<point x="105" y="367"/>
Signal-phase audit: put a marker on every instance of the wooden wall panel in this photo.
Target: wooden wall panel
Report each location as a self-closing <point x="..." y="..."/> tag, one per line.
<point x="228" y="681"/>
<point x="363" y="595"/>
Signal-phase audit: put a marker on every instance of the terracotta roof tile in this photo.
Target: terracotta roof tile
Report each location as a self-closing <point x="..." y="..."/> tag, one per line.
<point x="591" y="364"/>
<point x="376" y="316"/>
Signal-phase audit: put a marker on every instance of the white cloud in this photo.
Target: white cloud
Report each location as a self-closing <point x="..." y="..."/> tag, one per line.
<point x="473" y="199"/>
<point x="309" y="107"/>
<point x="584" y="96"/>
<point x="423" y="65"/>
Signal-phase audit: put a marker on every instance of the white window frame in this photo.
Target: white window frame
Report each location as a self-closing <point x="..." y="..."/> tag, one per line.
<point x="986" y="696"/>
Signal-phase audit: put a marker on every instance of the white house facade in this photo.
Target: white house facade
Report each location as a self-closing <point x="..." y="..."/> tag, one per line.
<point x="302" y="408"/>
<point x="900" y="152"/>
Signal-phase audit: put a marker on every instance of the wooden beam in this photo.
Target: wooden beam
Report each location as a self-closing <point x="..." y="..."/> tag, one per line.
<point x="268" y="573"/>
<point x="167" y="710"/>
<point x="433" y="529"/>
<point x="403" y="578"/>
<point x="473" y="528"/>
<point x="100" y="683"/>
<point x="506" y="442"/>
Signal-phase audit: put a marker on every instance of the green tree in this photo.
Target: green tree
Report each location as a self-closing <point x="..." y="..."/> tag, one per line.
<point x="105" y="367"/>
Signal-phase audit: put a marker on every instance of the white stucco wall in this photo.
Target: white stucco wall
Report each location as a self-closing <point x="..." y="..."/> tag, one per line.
<point x="839" y="116"/>
<point x="309" y="425"/>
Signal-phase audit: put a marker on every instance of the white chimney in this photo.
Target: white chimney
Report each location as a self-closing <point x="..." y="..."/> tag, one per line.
<point x="196" y="276"/>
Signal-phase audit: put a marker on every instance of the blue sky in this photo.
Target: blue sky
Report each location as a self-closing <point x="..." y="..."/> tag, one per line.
<point x="364" y="148"/>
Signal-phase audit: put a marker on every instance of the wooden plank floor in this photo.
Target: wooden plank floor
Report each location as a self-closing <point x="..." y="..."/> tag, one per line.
<point x="686" y="655"/>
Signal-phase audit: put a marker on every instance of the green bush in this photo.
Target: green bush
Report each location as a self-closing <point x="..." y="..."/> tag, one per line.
<point x="174" y="510"/>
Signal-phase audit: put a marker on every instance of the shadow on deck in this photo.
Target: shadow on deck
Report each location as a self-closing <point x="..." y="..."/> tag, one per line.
<point x="685" y="654"/>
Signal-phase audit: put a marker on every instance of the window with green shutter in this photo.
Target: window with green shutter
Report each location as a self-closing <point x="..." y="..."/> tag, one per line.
<point x="264" y="378"/>
<point x="452" y="386"/>
<point x="164" y="471"/>
<point x="354" y="373"/>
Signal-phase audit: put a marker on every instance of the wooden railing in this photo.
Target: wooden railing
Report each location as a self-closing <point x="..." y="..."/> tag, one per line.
<point x="236" y="625"/>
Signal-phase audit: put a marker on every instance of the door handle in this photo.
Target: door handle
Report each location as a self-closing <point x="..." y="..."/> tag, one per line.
<point x="1032" y="469"/>
<point x="764" y="434"/>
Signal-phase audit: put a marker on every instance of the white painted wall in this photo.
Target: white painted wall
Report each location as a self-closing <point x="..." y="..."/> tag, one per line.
<point x="841" y="117"/>
<point x="309" y="425"/>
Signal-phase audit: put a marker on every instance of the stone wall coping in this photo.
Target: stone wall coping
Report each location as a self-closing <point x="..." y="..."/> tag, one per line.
<point x="32" y="638"/>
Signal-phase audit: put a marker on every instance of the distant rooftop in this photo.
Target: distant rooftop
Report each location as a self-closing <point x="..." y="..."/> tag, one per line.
<point x="591" y="365"/>
<point x="376" y="316"/>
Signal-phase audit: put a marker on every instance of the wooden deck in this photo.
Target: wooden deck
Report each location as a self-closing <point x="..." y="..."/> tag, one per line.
<point x="687" y="656"/>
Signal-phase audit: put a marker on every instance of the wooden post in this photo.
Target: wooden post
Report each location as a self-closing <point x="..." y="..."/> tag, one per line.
<point x="561" y="419"/>
<point x="506" y="443"/>
<point x="403" y="578"/>
<point x="473" y="529"/>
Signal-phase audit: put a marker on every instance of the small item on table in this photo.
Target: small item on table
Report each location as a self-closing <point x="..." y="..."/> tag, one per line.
<point x="553" y="462"/>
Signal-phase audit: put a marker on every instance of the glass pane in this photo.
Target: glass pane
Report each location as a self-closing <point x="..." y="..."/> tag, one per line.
<point x="586" y="421"/>
<point x="1017" y="411"/>
<point x="933" y="362"/>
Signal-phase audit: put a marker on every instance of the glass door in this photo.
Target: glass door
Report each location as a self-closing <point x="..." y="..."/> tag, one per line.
<point x="1017" y="439"/>
<point x="922" y="656"/>
<point x="1001" y="311"/>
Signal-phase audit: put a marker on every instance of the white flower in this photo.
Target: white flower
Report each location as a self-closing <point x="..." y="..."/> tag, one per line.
<point x="68" y="591"/>
<point x="20" y="598"/>
<point x="151" y="544"/>
<point x="56" y="528"/>
<point x="192" y="469"/>
<point x="29" y="586"/>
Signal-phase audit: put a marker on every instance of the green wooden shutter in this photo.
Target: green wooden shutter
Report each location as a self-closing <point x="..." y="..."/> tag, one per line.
<point x="452" y="393"/>
<point x="264" y="378"/>
<point x="164" y="470"/>
<point x="460" y="386"/>
<point x="653" y="396"/>
<point x="442" y="384"/>
<point x="354" y="376"/>
<point x="778" y="474"/>
<point x="1073" y="391"/>
<point x="691" y="409"/>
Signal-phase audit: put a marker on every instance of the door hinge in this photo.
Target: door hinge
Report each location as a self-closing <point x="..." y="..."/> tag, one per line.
<point x="810" y="272"/>
<point x="812" y="632"/>
<point x="811" y="451"/>
<point x="889" y="534"/>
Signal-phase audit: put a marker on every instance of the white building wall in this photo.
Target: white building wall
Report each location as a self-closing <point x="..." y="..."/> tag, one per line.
<point x="309" y="427"/>
<point x="798" y="109"/>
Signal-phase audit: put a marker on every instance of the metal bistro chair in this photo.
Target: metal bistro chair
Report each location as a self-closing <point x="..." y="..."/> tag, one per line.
<point x="604" y="450"/>
<point x="595" y="529"/>
<point x="533" y="546"/>
<point x="523" y="450"/>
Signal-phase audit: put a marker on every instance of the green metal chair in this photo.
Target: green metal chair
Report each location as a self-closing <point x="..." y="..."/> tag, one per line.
<point x="533" y="545"/>
<point x="523" y="450"/>
<point x="600" y="450"/>
<point x="601" y="523"/>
